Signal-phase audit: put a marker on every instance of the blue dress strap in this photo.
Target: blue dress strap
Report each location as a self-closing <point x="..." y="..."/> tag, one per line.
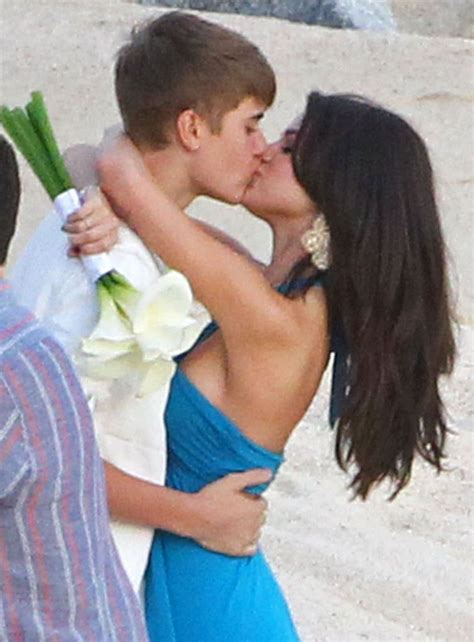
<point x="301" y="284"/>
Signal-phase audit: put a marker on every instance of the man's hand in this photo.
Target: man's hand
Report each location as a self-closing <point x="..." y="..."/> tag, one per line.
<point x="229" y="520"/>
<point x="222" y="517"/>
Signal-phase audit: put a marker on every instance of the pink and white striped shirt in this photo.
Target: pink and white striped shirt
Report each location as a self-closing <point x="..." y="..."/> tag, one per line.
<point x="60" y="576"/>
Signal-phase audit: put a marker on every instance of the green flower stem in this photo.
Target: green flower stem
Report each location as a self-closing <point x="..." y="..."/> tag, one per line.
<point x="106" y="280"/>
<point x="119" y="279"/>
<point x="21" y="132"/>
<point x="123" y="293"/>
<point x="40" y="154"/>
<point x="38" y="114"/>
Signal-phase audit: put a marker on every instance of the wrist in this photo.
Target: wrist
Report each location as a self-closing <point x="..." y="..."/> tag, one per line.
<point x="187" y="517"/>
<point x="195" y="517"/>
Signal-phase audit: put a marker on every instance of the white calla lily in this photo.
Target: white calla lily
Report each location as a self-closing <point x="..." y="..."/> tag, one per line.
<point x="112" y="336"/>
<point x="162" y="323"/>
<point x="190" y="335"/>
<point x="165" y="341"/>
<point x="166" y="303"/>
<point x="117" y="368"/>
<point x="105" y="349"/>
<point x="140" y="332"/>
<point x="155" y="375"/>
<point x="112" y="325"/>
<point x="123" y="293"/>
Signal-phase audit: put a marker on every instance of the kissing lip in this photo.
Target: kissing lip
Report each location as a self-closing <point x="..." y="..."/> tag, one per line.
<point x="255" y="176"/>
<point x="253" y="179"/>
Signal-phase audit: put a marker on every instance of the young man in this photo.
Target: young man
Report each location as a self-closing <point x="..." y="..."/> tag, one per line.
<point x="60" y="575"/>
<point x="191" y="95"/>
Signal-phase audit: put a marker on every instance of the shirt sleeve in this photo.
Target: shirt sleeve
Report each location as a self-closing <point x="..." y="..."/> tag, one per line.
<point x="55" y="287"/>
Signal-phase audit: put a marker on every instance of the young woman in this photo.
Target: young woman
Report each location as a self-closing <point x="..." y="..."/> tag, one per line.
<point x="349" y="196"/>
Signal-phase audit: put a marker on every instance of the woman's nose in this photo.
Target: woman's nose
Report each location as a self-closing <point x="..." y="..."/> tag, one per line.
<point x="269" y="152"/>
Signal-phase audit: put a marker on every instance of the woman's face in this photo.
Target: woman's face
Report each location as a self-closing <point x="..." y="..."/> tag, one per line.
<point x="274" y="190"/>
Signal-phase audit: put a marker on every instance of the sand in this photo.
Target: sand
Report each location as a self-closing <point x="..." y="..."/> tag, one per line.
<point x="435" y="17"/>
<point x="352" y="571"/>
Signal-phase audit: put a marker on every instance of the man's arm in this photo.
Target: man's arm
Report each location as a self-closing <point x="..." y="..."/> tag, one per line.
<point x="221" y="517"/>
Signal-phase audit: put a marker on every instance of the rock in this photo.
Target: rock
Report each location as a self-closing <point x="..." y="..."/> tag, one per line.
<point x="358" y="14"/>
<point x="452" y="18"/>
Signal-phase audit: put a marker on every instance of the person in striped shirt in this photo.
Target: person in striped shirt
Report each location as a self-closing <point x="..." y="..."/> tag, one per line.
<point x="60" y="576"/>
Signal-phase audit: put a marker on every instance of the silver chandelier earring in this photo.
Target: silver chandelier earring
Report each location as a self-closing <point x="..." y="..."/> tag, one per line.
<point x="316" y="242"/>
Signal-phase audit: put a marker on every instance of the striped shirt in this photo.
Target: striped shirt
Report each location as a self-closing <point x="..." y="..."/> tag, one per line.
<point x="60" y="576"/>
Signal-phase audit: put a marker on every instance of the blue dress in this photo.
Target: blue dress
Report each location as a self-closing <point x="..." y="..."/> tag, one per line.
<point x="192" y="594"/>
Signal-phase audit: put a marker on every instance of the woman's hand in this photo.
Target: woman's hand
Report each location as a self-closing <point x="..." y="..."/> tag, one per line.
<point x="94" y="228"/>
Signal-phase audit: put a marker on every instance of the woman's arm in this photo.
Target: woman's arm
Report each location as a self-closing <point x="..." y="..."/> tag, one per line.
<point x="233" y="289"/>
<point x="221" y="517"/>
<point x="103" y="226"/>
<point x="228" y="240"/>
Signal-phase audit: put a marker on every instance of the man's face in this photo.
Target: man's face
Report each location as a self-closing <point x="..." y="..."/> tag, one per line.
<point x="227" y="161"/>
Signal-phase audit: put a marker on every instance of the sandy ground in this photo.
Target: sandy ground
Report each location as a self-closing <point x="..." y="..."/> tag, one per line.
<point x="352" y="571"/>
<point x="435" y="17"/>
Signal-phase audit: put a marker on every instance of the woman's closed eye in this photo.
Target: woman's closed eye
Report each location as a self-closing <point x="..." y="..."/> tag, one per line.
<point x="287" y="142"/>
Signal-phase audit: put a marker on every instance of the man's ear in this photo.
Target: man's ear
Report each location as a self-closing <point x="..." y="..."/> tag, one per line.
<point x="190" y="128"/>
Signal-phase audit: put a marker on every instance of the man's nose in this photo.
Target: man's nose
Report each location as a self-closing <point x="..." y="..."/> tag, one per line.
<point x="260" y="145"/>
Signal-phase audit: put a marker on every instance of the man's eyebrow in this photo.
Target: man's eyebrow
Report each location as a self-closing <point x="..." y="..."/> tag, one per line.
<point x="257" y="117"/>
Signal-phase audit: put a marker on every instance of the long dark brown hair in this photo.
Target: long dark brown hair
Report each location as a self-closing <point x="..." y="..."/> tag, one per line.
<point x="369" y="172"/>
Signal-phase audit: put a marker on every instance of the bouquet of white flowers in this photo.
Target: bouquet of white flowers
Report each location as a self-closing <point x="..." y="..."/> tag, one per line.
<point x="137" y="332"/>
